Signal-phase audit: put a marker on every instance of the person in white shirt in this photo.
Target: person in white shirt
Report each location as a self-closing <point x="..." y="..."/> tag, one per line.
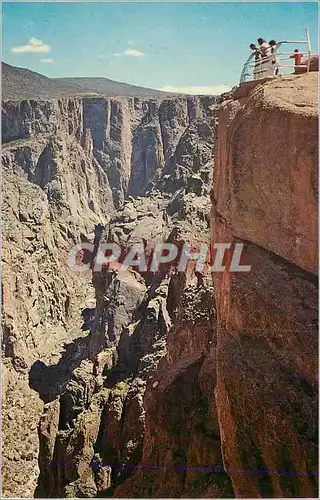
<point x="264" y="47"/>
<point x="266" y="59"/>
<point x="273" y="45"/>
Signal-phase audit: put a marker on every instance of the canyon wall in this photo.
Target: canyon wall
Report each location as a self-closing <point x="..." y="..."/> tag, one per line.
<point x="68" y="166"/>
<point x="54" y="193"/>
<point x="265" y="196"/>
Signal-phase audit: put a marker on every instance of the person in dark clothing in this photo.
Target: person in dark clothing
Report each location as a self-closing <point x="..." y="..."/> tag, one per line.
<point x="255" y="49"/>
<point x="257" y="52"/>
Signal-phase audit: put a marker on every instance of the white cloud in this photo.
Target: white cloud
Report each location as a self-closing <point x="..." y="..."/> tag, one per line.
<point x="133" y="52"/>
<point x="127" y="52"/>
<point x="47" y="60"/>
<point x="34" y="45"/>
<point x="197" y="90"/>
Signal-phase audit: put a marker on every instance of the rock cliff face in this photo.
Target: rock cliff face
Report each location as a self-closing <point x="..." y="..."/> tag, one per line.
<point x="265" y="195"/>
<point x="128" y="383"/>
<point x="54" y="194"/>
<point x="68" y="165"/>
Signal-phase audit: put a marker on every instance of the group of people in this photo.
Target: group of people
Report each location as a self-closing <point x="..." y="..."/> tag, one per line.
<point x="266" y="63"/>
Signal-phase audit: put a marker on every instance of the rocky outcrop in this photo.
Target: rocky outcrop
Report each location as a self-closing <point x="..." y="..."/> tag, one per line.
<point x="265" y="195"/>
<point x="313" y="65"/>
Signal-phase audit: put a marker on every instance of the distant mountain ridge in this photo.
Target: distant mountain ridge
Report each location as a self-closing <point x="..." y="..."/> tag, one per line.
<point x="104" y="86"/>
<point x="22" y="83"/>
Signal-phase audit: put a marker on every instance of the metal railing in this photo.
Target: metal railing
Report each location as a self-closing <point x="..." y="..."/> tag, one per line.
<point x="276" y="63"/>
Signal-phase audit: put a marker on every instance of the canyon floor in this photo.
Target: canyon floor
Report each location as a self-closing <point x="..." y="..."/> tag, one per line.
<point x="129" y="384"/>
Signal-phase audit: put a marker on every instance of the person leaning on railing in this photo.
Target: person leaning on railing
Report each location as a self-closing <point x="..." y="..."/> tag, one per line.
<point x="257" y="57"/>
<point x="264" y="47"/>
<point x="267" y="68"/>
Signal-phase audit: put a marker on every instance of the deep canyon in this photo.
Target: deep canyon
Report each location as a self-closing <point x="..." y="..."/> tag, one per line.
<point x="169" y="384"/>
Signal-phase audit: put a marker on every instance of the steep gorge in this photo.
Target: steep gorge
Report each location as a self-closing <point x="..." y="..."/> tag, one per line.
<point x="68" y="166"/>
<point x="174" y="384"/>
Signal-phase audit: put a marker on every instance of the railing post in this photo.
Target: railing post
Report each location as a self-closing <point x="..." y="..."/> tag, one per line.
<point x="309" y="50"/>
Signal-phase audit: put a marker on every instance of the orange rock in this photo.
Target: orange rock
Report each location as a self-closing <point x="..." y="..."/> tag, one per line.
<point x="265" y="195"/>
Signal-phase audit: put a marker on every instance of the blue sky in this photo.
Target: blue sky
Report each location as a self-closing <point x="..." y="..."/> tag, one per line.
<point x="159" y="45"/>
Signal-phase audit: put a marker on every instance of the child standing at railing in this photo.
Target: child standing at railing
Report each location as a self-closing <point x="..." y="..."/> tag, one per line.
<point x="297" y="56"/>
